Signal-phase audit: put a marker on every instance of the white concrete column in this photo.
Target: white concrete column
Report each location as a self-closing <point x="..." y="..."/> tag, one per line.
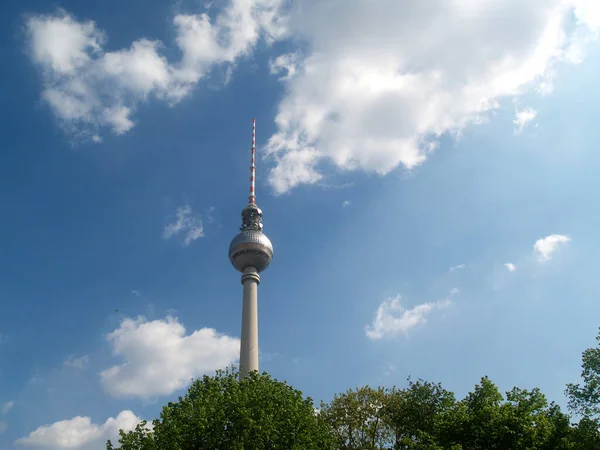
<point x="249" y="344"/>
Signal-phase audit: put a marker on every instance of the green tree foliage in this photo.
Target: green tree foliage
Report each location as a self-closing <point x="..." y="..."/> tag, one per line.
<point x="219" y="412"/>
<point x="584" y="399"/>
<point x="525" y="420"/>
<point x="425" y="416"/>
<point x="355" y="418"/>
<point x="416" y="415"/>
<point x="260" y="413"/>
<point x="586" y="435"/>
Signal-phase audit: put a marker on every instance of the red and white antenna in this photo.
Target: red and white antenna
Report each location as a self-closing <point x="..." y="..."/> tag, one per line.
<point x="252" y="198"/>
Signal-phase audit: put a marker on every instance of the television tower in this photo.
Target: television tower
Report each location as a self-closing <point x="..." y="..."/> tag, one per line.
<point x="250" y="252"/>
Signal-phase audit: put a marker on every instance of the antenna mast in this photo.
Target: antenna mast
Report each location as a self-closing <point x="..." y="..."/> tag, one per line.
<point x="250" y="252"/>
<point x="252" y="198"/>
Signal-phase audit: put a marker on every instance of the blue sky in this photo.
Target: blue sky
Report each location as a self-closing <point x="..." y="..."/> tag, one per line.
<point x="400" y="169"/>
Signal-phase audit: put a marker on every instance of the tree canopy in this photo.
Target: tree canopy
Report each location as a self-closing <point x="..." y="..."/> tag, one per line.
<point x="220" y="412"/>
<point x="261" y="413"/>
<point x="584" y="399"/>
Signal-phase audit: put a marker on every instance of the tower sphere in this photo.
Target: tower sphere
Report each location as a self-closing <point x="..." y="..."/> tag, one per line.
<point x="251" y="247"/>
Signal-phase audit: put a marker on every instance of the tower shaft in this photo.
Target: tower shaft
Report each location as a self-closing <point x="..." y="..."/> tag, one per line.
<point x="250" y="252"/>
<point x="249" y="341"/>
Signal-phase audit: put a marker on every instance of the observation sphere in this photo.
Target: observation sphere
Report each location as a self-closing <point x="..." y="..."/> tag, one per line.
<point x="250" y="248"/>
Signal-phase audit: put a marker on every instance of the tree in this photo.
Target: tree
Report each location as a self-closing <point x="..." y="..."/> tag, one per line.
<point x="483" y="420"/>
<point x="141" y="438"/>
<point x="561" y="435"/>
<point x="220" y="412"/>
<point x="355" y="419"/>
<point x="473" y="423"/>
<point x="585" y="399"/>
<point x="260" y="413"/>
<point x="415" y="415"/>
<point x="585" y="435"/>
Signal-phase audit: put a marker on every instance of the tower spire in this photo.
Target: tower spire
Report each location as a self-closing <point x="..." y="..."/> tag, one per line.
<point x="250" y="252"/>
<point x="251" y="214"/>
<point x="252" y="198"/>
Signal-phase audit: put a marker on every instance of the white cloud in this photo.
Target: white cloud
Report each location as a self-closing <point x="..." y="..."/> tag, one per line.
<point x="191" y="226"/>
<point x="293" y="167"/>
<point x="373" y="89"/>
<point x="89" y="88"/>
<point x="80" y="433"/>
<point x="287" y="63"/>
<point x="6" y="407"/>
<point x="160" y="359"/>
<point x="459" y="267"/>
<point x="77" y="363"/>
<point x="523" y="118"/>
<point x="345" y="203"/>
<point x="379" y="84"/>
<point x="510" y="267"/>
<point x="454" y="291"/>
<point x="392" y="318"/>
<point x="587" y="13"/>
<point x="545" y="247"/>
<point x="61" y="44"/>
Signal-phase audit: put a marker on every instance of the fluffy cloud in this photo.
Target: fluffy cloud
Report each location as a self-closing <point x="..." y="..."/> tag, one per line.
<point x="392" y="318"/>
<point x="191" y="226"/>
<point x="373" y="89"/>
<point x="159" y="358"/>
<point x="510" y="267"/>
<point x="459" y="267"/>
<point x="286" y="63"/>
<point x="80" y="433"/>
<point x="88" y="89"/>
<point x="545" y="247"/>
<point x="378" y="85"/>
<point x="523" y="118"/>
